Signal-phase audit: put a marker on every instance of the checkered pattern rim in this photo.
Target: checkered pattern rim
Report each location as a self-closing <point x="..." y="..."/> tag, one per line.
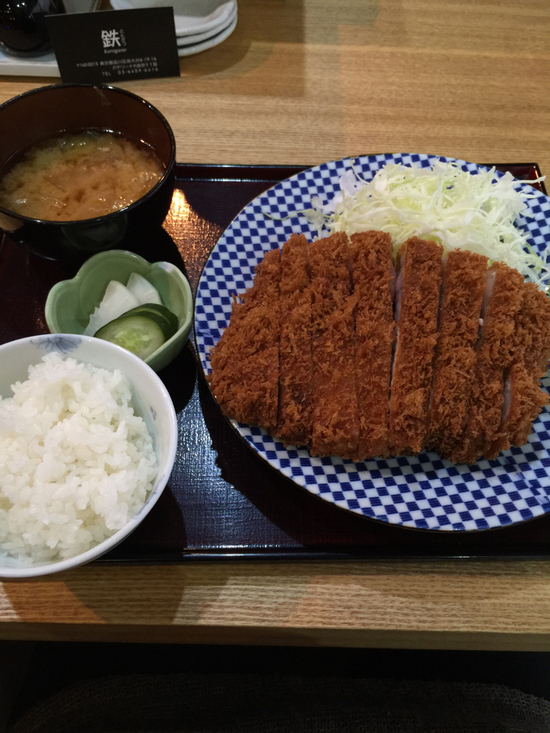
<point x="425" y="491"/>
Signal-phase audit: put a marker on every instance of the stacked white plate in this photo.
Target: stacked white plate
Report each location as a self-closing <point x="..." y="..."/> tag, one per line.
<point x="200" y="24"/>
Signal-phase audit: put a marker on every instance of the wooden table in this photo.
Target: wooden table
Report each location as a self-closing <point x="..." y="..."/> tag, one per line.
<point x="301" y="82"/>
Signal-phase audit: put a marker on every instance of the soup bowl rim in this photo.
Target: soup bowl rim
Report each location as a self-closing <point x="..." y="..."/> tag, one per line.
<point x="112" y="214"/>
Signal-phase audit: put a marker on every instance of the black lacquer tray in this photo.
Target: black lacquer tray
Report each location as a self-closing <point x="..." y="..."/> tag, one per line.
<point x="223" y="501"/>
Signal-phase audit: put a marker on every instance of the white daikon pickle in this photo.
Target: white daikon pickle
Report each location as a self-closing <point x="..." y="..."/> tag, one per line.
<point x="116" y="301"/>
<point x="143" y="290"/>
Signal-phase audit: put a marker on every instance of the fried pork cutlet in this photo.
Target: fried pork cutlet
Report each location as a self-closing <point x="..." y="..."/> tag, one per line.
<point x="245" y="362"/>
<point x="335" y="416"/>
<point x="295" y="410"/>
<point x="523" y="400"/>
<point x="532" y="334"/>
<point x="417" y="305"/>
<point x="502" y="300"/>
<point x="308" y="351"/>
<point x="462" y="296"/>
<point x="373" y="275"/>
<point x="523" y="397"/>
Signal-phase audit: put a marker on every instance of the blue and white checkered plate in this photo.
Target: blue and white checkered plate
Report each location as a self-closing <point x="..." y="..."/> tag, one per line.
<point x="425" y="492"/>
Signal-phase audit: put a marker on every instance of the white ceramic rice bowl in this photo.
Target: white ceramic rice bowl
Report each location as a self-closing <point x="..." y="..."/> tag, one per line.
<point x="150" y="400"/>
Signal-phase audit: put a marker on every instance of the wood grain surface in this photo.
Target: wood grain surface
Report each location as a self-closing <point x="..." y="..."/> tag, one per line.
<point x="302" y="82"/>
<point x="487" y="605"/>
<point x="306" y="81"/>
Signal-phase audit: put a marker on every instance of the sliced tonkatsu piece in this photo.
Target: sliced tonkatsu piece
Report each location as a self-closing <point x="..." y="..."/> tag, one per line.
<point x="502" y="301"/>
<point x="532" y="339"/>
<point x="464" y="280"/>
<point x="523" y="401"/>
<point x="373" y="279"/>
<point x="416" y="310"/>
<point x="335" y="416"/>
<point x="245" y="362"/>
<point x="265" y="287"/>
<point x="295" y="408"/>
<point x="523" y="397"/>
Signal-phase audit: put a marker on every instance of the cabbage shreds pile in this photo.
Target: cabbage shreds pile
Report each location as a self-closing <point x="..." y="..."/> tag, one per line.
<point x="443" y="203"/>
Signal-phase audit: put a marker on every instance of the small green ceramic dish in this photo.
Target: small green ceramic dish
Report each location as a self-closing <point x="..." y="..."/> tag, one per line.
<point x="70" y="302"/>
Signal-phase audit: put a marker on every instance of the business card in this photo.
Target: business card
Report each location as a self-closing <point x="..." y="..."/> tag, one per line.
<point x="115" y="45"/>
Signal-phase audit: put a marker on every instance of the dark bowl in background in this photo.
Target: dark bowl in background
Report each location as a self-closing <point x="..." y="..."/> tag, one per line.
<point x="23" y="30"/>
<point x="46" y="112"/>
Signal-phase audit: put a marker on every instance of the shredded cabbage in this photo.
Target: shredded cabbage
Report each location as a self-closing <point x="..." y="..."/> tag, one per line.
<point x="443" y="203"/>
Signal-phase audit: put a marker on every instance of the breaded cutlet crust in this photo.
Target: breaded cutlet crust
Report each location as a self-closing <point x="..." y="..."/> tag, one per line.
<point x="493" y="358"/>
<point x="532" y="347"/>
<point x="335" y="416"/>
<point x="530" y="352"/>
<point x="306" y="356"/>
<point x="532" y="336"/>
<point x="245" y="362"/>
<point x="295" y="409"/>
<point x="420" y="262"/>
<point x="526" y="401"/>
<point x="373" y="273"/>
<point x="463" y="288"/>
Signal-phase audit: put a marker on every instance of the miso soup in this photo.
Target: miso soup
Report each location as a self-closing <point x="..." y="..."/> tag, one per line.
<point x="82" y="176"/>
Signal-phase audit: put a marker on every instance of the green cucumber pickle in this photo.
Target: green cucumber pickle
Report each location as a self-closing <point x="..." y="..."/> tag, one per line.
<point x="137" y="333"/>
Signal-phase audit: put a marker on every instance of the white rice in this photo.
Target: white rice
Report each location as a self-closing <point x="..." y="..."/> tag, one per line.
<point x="76" y="462"/>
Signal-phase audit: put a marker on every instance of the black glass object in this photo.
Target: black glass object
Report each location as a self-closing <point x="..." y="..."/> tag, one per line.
<point x="23" y="30"/>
